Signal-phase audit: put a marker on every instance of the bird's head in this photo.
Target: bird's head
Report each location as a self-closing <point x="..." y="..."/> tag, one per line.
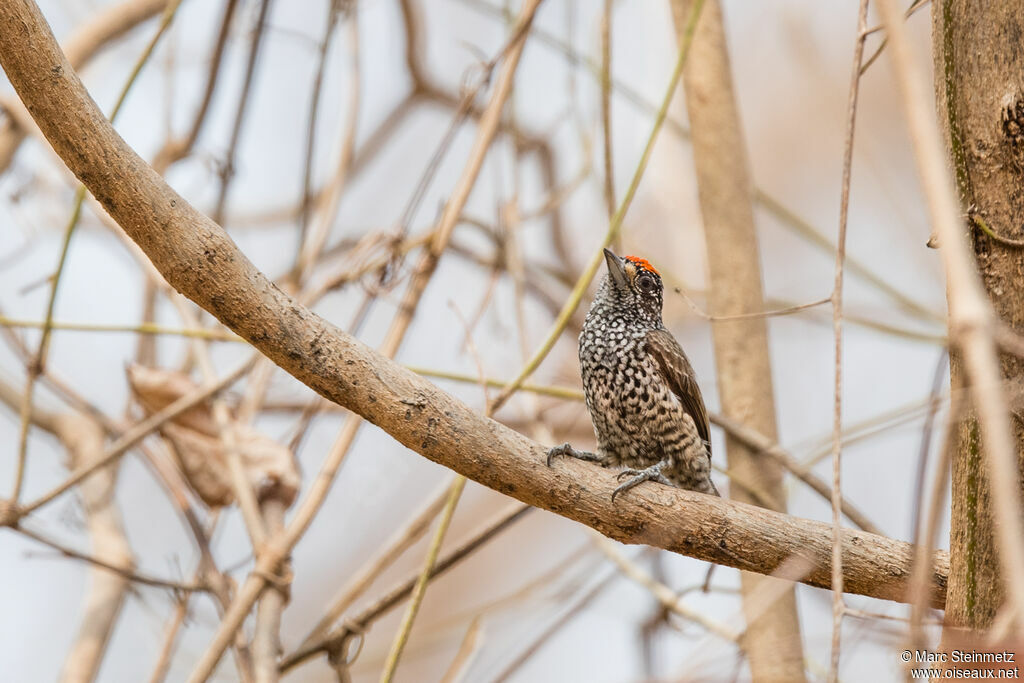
<point x="634" y="284"/>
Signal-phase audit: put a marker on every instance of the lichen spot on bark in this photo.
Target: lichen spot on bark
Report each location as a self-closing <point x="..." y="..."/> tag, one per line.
<point x="1012" y="126"/>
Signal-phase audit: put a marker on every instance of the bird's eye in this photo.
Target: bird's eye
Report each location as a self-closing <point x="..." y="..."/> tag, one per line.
<point x="646" y="283"/>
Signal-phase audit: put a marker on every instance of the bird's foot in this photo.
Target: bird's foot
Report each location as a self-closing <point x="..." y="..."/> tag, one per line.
<point x="567" y="449"/>
<point x="652" y="473"/>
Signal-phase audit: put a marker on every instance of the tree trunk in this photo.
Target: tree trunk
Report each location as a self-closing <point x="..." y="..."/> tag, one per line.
<point x="979" y="76"/>
<point x="773" y="640"/>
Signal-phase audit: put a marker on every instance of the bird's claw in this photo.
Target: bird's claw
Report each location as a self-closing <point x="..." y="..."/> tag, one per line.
<point x="652" y="473"/>
<point x="567" y="449"/>
<point x="558" y="450"/>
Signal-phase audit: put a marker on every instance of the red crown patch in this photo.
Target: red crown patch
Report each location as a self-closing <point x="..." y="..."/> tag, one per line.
<point x="643" y="264"/>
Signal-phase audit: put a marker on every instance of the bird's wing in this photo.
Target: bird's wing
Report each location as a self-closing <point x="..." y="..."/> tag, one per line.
<point x="678" y="373"/>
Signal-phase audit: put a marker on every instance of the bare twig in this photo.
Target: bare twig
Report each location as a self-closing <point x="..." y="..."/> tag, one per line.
<point x="118" y="563"/>
<point x="663" y="594"/>
<point x="175" y="150"/>
<point x="464" y="656"/>
<point x="544" y="635"/>
<point x="927" y="531"/>
<point x="228" y="168"/>
<point x="311" y="245"/>
<point x="838" y="606"/>
<point x="395" y="546"/>
<point x="266" y="644"/>
<point x="337" y="640"/>
<point x="606" y="106"/>
<point x="134" y="435"/>
<point x="419" y="590"/>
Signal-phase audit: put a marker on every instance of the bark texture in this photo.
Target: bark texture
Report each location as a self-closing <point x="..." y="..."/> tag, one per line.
<point x="198" y="258"/>
<point x="773" y="640"/>
<point x="979" y="84"/>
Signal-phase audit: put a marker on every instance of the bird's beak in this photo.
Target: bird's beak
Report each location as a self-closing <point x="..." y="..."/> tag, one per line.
<point x="616" y="269"/>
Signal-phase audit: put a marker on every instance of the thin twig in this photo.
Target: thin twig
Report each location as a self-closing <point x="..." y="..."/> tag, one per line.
<point x="419" y="590"/>
<point x="228" y="168"/>
<point x="838" y="606"/>
<point x="606" y="106"/>
<point x="543" y="636"/>
<point x="914" y="6"/>
<point x="337" y="640"/>
<point x="789" y="310"/>
<point x="662" y="593"/>
<point x="464" y="655"/>
<point x="333" y="10"/>
<point x="177" y="149"/>
<point x="143" y="328"/>
<point x="934" y="404"/>
<point x="170" y="638"/>
<point x="311" y="246"/>
<point x="411" y="532"/>
<point x="138" y="432"/>
<point x="112" y="566"/>
<point x="976" y="218"/>
<point x="926" y="534"/>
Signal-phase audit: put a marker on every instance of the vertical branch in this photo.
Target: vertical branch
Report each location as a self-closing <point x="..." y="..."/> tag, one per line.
<point x="324" y="48"/>
<point x="266" y="639"/>
<point x="176" y="149"/>
<point x="971" y="331"/>
<point x="606" y="110"/>
<point x="741" y="345"/>
<point x="979" y="98"/>
<point x="312" y="244"/>
<point x="228" y="170"/>
<point x="84" y="439"/>
<point x="838" y="607"/>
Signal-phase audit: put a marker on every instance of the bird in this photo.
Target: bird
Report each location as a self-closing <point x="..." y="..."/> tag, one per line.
<point x="648" y="413"/>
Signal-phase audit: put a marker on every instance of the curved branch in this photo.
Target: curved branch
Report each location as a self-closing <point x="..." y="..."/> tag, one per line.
<point x="199" y="259"/>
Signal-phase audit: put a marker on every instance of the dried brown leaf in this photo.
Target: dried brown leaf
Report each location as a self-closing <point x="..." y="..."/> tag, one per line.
<point x="200" y="450"/>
